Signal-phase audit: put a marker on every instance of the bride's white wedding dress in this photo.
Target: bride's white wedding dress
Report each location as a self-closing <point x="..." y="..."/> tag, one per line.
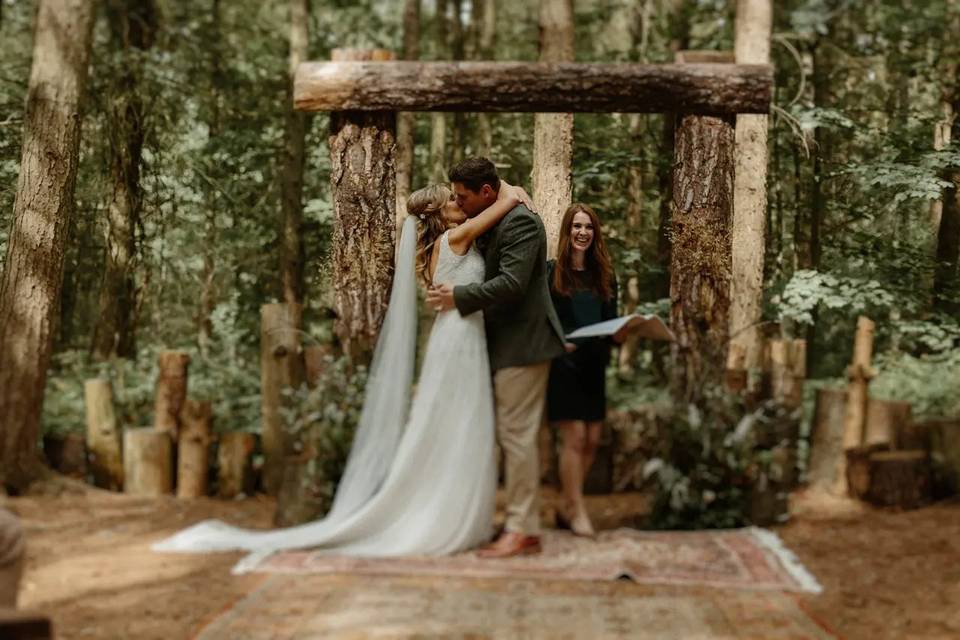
<point x="438" y="495"/>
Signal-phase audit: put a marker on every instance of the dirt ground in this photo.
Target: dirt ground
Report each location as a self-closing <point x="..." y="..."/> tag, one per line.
<point x="885" y="574"/>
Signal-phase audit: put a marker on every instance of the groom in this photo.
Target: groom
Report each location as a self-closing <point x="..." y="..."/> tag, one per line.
<point x="523" y="335"/>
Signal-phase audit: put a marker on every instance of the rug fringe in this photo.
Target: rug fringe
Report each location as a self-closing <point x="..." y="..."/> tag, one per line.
<point x="791" y="563"/>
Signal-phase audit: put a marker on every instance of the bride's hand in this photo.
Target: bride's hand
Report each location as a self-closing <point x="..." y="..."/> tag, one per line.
<point x="508" y="190"/>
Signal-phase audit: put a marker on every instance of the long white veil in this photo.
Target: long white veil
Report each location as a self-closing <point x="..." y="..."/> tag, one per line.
<point x="384" y="415"/>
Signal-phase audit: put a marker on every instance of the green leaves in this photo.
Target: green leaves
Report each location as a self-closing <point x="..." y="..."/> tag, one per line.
<point x="808" y="289"/>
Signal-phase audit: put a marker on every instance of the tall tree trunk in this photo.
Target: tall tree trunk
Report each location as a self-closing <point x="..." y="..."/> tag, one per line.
<point x="406" y="121"/>
<point x="700" y="258"/>
<point x="33" y="270"/>
<point x="291" y="175"/>
<point x="753" y="25"/>
<point x="457" y="52"/>
<point x="133" y="24"/>
<point x="553" y="132"/>
<point x="487" y="19"/>
<point x="679" y="41"/>
<point x="945" y="213"/>
<point x="208" y="292"/>
<point x="438" y="121"/>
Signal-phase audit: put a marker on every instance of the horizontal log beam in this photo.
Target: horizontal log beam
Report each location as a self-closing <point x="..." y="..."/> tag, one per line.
<point x="709" y="89"/>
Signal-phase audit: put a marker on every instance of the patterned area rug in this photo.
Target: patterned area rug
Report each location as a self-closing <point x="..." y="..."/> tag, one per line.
<point x="298" y="607"/>
<point x="749" y="558"/>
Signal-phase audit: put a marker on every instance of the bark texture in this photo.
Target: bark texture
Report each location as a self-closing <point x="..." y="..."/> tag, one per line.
<point x="362" y="156"/>
<point x="147" y="462"/>
<point x="103" y="434"/>
<point x="193" y="449"/>
<point x="280" y="368"/>
<point x="711" y="89"/>
<point x="171" y="391"/>
<point x="700" y="256"/>
<point x="32" y="279"/>
<point x="553" y="132"/>
<point x="753" y="25"/>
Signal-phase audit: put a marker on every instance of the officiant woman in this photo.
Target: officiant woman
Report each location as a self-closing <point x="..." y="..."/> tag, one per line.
<point x="583" y="287"/>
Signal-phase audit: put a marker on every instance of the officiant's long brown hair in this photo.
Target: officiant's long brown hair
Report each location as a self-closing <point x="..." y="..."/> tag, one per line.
<point x="599" y="268"/>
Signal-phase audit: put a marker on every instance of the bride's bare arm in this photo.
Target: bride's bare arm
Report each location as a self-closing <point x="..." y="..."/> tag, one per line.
<point x="509" y="197"/>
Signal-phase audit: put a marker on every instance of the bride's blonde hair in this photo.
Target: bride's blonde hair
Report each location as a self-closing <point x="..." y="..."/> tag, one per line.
<point x="427" y="205"/>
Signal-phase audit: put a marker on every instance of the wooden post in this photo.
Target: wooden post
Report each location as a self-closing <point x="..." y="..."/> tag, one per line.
<point x="788" y="370"/>
<point x="148" y="462"/>
<point x="280" y="368"/>
<point x="235" y="474"/>
<point x="828" y="463"/>
<point x="702" y="209"/>
<point x="314" y="362"/>
<point x="859" y="372"/>
<point x="363" y="180"/>
<point x="171" y="391"/>
<point x="103" y="435"/>
<point x="193" y="449"/>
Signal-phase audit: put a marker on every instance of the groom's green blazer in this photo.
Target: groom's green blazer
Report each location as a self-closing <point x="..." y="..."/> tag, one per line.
<point x="522" y="325"/>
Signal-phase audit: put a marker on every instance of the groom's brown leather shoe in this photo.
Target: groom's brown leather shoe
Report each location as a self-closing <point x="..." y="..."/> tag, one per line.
<point x="511" y="544"/>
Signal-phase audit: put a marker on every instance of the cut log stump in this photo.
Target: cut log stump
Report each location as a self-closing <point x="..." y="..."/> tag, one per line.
<point x="899" y="479"/>
<point x="67" y="454"/>
<point x="171" y="391"/>
<point x="148" y="462"/>
<point x="886" y="421"/>
<point x="828" y="464"/>
<point x="858" y="472"/>
<point x="235" y="471"/>
<point x="193" y="449"/>
<point x="16" y="624"/>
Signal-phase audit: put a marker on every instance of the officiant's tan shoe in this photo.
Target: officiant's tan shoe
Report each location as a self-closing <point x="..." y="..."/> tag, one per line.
<point x="511" y="544"/>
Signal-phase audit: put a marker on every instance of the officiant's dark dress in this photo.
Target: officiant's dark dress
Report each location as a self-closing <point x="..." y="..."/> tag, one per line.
<point x="577" y="388"/>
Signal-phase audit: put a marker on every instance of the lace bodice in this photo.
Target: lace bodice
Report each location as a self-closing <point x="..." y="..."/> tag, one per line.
<point x="456" y="270"/>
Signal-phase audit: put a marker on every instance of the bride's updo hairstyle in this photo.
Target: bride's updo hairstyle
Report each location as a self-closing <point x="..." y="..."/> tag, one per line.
<point x="427" y="205"/>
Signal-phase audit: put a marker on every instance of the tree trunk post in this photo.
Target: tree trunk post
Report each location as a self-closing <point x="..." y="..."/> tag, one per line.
<point x="280" y="368"/>
<point x="193" y="449"/>
<point x="147" y="462"/>
<point x="701" y="214"/>
<point x="553" y="132"/>
<point x="171" y="391"/>
<point x="363" y="178"/>
<point x="406" y="122"/>
<point x="753" y="25"/>
<point x="234" y="470"/>
<point x="32" y="277"/>
<point x="103" y="435"/>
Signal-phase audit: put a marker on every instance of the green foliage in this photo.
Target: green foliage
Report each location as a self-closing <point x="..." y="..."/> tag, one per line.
<point x="807" y="290"/>
<point x="319" y="425"/>
<point x="715" y="458"/>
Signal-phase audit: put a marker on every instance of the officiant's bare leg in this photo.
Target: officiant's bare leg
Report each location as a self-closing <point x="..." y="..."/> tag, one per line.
<point x="580" y="442"/>
<point x="520" y="400"/>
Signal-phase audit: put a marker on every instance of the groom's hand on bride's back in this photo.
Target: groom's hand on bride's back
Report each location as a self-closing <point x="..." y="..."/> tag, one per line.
<point x="440" y="298"/>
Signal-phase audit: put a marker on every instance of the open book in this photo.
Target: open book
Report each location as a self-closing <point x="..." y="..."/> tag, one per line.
<point x="643" y="326"/>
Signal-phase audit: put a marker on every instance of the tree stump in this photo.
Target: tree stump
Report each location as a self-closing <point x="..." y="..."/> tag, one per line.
<point x="235" y="471"/>
<point x="148" y="462"/>
<point x="67" y="454"/>
<point x="171" y="391"/>
<point x="899" y="479"/>
<point x="884" y="423"/>
<point x="788" y="369"/>
<point x="858" y="472"/>
<point x="362" y="155"/>
<point x="280" y="368"/>
<point x="314" y="362"/>
<point x="193" y="449"/>
<point x="103" y="435"/>
<point x="828" y="463"/>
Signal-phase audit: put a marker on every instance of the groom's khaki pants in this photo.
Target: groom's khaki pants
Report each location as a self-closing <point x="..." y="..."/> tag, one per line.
<point x="521" y="396"/>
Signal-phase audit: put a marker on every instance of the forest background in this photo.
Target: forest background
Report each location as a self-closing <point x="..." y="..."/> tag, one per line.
<point x="862" y="217"/>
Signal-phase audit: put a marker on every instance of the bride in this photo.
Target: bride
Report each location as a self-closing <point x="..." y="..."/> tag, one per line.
<point x="425" y="485"/>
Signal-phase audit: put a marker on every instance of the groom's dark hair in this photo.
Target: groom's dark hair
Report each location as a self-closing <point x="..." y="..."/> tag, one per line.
<point x="473" y="173"/>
